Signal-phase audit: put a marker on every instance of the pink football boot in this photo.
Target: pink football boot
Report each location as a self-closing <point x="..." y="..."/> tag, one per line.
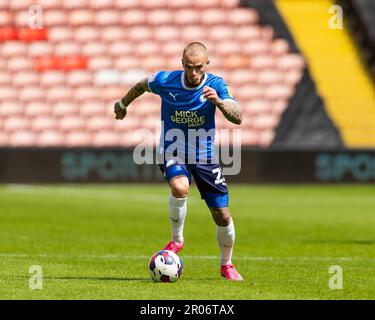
<point x="174" y="246"/>
<point x="229" y="272"/>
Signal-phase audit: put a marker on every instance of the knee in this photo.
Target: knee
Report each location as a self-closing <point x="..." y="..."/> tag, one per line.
<point x="180" y="188"/>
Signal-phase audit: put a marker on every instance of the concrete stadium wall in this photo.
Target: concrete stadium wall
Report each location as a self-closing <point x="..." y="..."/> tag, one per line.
<point x="84" y="165"/>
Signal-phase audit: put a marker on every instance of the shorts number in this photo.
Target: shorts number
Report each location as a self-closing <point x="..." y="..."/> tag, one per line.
<point x="219" y="176"/>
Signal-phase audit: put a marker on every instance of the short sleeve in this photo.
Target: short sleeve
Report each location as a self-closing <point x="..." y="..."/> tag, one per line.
<point x="154" y="82"/>
<point x="223" y="90"/>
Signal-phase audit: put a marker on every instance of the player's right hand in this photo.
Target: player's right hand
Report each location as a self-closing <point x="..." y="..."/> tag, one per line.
<point x="120" y="113"/>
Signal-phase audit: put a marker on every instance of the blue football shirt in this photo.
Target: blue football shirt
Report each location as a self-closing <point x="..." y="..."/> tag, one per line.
<point x="188" y="119"/>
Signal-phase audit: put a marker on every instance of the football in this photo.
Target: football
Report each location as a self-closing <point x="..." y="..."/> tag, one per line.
<point x="165" y="266"/>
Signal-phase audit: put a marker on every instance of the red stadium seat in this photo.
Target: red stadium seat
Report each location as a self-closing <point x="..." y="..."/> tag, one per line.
<point x="179" y="4"/>
<point x="279" y="47"/>
<point x="5" y="78"/>
<point x="293" y="76"/>
<point x="73" y="63"/>
<point x="20" y="5"/>
<point x="29" y="93"/>
<point x="23" y="79"/>
<point x="4" y="139"/>
<point x="23" y="138"/>
<point x="256" y="47"/>
<point x="112" y="93"/>
<point x="81" y="17"/>
<point x="107" y="18"/>
<point x="281" y="91"/>
<point x="159" y="17"/>
<point x="266" y="137"/>
<point x="59" y="93"/>
<point x="55" y="18"/>
<point x="48" y="5"/>
<point x="8" y="93"/>
<point x="21" y="19"/>
<point x="101" y="4"/>
<point x="213" y="17"/>
<point x="279" y="106"/>
<point x="6" y="19"/>
<point x="13" y="48"/>
<point x="107" y="77"/>
<point x="166" y="34"/>
<point x="40" y="48"/>
<point x="52" y="78"/>
<point x="291" y="61"/>
<point x="8" y="34"/>
<point x="79" y="78"/>
<point x="67" y="49"/>
<point x="133" y="17"/>
<point x="20" y="64"/>
<point x="206" y="4"/>
<point x="44" y="123"/>
<point x="76" y="4"/>
<point x="106" y="139"/>
<point x="14" y="124"/>
<point x="78" y="138"/>
<point x="263" y="62"/>
<point x="270" y="77"/>
<point x="248" y="33"/>
<point x="37" y="109"/>
<point x="99" y="123"/>
<point x="187" y="17"/>
<point x="193" y="33"/>
<point x="71" y="123"/>
<point x="86" y="93"/>
<point x="139" y="33"/>
<point x="113" y="34"/>
<point x="126" y="63"/>
<point x="92" y="108"/>
<point x="86" y="34"/>
<point x="242" y="16"/>
<point x="154" y="63"/>
<point x="152" y="4"/>
<point x="30" y="35"/>
<point x="11" y="108"/>
<point x="45" y="63"/>
<point x="173" y="48"/>
<point x="65" y="108"/>
<point x="126" y="5"/>
<point x="222" y="33"/>
<point x="60" y="34"/>
<point x="119" y="49"/>
<point x="94" y="48"/>
<point x="50" y="138"/>
<point x="147" y="48"/>
<point x="226" y="48"/>
<point x="99" y="63"/>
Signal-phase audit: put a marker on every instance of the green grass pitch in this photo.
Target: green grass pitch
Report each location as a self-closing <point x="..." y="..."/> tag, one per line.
<point x="94" y="242"/>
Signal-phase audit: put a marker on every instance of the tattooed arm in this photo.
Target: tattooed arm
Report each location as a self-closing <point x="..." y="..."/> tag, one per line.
<point x="121" y="106"/>
<point x="229" y="108"/>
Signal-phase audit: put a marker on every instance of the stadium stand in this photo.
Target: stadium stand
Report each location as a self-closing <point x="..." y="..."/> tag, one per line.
<point x="361" y="20"/>
<point x="342" y="81"/>
<point x="58" y="84"/>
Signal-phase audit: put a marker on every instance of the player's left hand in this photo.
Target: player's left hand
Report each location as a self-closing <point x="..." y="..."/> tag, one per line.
<point x="211" y="95"/>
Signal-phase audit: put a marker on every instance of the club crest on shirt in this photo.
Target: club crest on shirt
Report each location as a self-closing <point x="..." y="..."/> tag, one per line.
<point x="202" y="98"/>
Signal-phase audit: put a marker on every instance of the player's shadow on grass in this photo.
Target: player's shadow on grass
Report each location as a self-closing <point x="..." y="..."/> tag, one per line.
<point x="361" y="242"/>
<point x="98" y="278"/>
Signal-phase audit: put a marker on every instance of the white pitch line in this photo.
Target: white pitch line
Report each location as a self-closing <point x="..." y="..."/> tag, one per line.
<point x="89" y="194"/>
<point x="196" y="257"/>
